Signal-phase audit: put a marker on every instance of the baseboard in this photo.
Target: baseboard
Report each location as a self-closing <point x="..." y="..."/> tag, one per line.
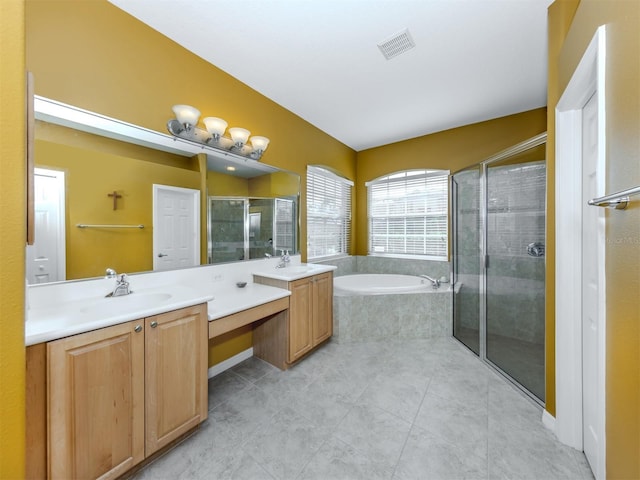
<point x="549" y="421"/>
<point x="218" y="368"/>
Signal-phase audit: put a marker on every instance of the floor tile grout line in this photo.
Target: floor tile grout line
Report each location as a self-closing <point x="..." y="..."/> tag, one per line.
<point x="413" y="424"/>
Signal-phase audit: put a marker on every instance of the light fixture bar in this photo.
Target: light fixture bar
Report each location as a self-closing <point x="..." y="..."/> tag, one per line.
<point x="240" y="143"/>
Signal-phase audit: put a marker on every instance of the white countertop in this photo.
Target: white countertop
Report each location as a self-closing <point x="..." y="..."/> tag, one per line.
<point x="70" y="308"/>
<point x="233" y="300"/>
<point x="79" y="316"/>
<point x="295" y="271"/>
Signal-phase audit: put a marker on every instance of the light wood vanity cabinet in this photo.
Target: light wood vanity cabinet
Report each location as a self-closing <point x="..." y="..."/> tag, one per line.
<point x="322" y="300"/>
<point x="310" y="318"/>
<point x="117" y="395"/>
<point x="96" y="402"/>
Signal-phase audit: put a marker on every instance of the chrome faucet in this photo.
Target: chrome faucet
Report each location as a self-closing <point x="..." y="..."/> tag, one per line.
<point x="435" y="283"/>
<point x="122" y="285"/>
<point x="284" y="259"/>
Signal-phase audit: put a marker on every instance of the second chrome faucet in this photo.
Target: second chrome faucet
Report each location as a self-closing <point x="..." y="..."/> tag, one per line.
<point x="122" y="284"/>
<point x="284" y="259"/>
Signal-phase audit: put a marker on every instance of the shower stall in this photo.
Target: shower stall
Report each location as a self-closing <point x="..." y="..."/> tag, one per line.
<point x="242" y="228"/>
<point x="498" y="262"/>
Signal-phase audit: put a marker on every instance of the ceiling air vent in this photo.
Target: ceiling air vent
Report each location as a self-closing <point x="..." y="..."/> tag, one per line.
<point x="396" y="44"/>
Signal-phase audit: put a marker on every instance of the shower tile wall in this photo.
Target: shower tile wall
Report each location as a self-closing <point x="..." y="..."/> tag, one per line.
<point x="515" y="280"/>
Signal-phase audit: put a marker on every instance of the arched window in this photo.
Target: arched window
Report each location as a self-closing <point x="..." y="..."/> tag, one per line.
<point x="407" y="213"/>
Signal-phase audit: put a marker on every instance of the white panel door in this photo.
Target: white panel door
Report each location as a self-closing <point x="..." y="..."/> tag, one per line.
<point x="46" y="257"/>
<point x="176" y="227"/>
<point x="592" y="294"/>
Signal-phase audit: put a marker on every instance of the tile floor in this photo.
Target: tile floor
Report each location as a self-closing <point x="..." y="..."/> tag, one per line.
<point x="422" y="409"/>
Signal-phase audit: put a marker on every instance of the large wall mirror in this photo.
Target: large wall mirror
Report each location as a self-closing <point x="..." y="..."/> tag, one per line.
<point x="112" y="194"/>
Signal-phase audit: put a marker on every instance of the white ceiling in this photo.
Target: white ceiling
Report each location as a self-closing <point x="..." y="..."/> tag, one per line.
<point x="474" y="60"/>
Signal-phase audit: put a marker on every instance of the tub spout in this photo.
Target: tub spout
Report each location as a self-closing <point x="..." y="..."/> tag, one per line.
<point x="434" y="281"/>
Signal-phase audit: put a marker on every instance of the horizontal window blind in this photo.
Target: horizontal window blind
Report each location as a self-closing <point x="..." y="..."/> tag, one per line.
<point x="408" y="213"/>
<point x="328" y="213"/>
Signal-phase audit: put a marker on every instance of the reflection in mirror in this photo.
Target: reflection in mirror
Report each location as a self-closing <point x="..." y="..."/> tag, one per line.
<point x="249" y="228"/>
<point x="105" y="171"/>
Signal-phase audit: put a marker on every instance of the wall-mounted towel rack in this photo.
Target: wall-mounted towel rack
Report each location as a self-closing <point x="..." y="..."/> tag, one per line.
<point x="619" y="200"/>
<point x="85" y="225"/>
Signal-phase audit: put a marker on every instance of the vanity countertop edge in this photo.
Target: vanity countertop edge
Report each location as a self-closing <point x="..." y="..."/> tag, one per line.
<point x="295" y="271"/>
<point x="70" y="318"/>
<point x="52" y="322"/>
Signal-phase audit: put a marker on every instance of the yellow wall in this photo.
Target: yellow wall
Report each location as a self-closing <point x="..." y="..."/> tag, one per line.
<point x="221" y="185"/>
<point x="12" y="239"/>
<point x="449" y="150"/>
<point x="622" y="20"/>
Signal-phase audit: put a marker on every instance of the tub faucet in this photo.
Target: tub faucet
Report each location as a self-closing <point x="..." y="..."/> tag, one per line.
<point x="434" y="281"/>
<point x="284" y="259"/>
<point x="122" y="286"/>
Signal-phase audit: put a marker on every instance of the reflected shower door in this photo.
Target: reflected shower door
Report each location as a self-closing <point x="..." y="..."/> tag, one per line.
<point x="465" y="188"/>
<point x="515" y="273"/>
<point x="227" y="230"/>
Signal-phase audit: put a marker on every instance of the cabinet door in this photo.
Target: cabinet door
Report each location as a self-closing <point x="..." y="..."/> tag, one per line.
<point x="96" y="402"/>
<point x="322" y="307"/>
<point x="300" y="315"/>
<point x="176" y="374"/>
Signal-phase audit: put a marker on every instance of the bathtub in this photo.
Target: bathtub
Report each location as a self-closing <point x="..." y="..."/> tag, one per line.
<point x="371" y="307"/>
<point x="380" y="284"/>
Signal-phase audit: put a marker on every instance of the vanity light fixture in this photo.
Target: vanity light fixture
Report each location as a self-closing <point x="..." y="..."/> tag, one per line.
<point x="185" y="126"/>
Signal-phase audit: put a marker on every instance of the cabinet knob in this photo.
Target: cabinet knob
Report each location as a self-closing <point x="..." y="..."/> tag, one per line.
<point x="154" y="324"/>
<point x="138" y="328"/>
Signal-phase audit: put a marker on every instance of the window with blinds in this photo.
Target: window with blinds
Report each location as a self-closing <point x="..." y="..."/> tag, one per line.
<point x="407" y="213"/>
<point x="328" y="213"/>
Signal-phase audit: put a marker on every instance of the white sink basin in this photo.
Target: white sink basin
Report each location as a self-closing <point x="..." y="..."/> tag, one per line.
<point x="126" y="303"/>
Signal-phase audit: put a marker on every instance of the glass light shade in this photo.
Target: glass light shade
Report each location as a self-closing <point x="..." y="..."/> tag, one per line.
<point x="259" y="143"/>
<point x="215" y="126"/>
<point x="186" y="114"/>
<point x="239" y="135"/>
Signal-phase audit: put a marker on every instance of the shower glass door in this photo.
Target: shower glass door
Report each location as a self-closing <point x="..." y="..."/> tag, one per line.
<point x="465" y="194"/>
<point x="515" y="267"/>
<point x="498" y="268"/>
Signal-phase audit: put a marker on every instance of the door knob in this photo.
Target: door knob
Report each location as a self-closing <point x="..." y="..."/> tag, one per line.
<point x="138" y="328"/>
<point x="160" y="255"/>
<point x="154" y="324"/>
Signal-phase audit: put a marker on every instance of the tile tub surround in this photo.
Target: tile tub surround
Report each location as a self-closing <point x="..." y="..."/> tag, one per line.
<point x="408" y="409"/>
<point x="359" y="318"/>
<point x="376" y="317"/>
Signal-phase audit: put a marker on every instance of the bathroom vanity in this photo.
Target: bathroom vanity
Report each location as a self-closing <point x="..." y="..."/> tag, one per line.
<point x="310" y="317"/>
<point x="110" y="385"/>
<point x="102" y="401"/>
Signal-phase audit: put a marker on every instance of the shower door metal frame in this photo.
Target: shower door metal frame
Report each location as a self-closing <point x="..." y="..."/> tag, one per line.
<point x="484" y="257"/>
